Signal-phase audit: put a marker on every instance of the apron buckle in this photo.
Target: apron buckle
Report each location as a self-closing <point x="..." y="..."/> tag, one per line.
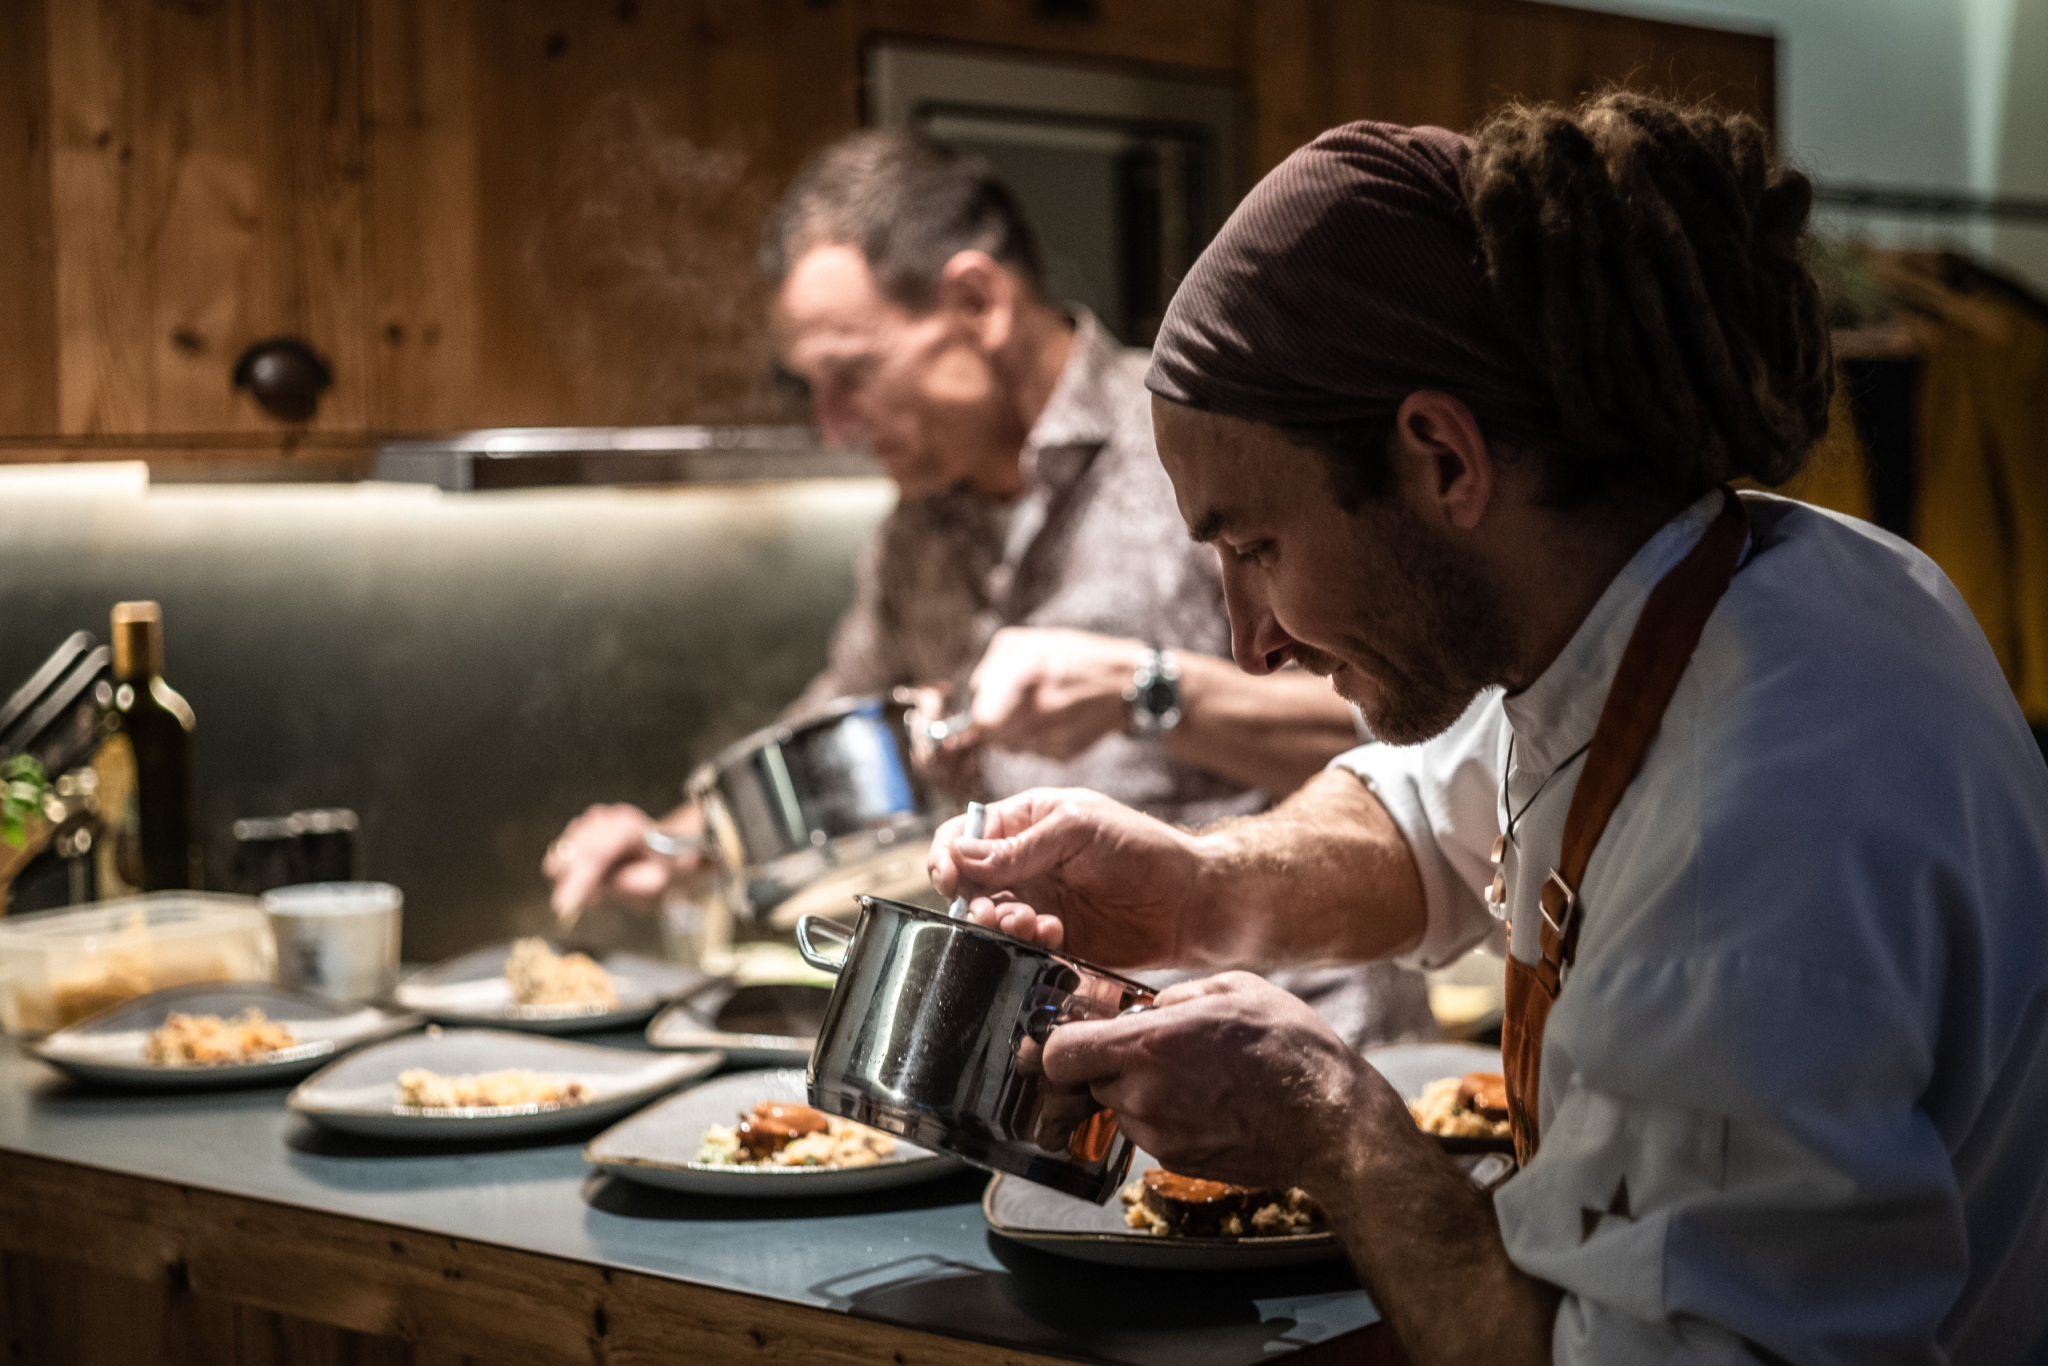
<point x="1567" y="912"/>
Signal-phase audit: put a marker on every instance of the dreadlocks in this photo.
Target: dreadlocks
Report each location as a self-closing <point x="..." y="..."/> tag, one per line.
<point x="1645" y="257"/>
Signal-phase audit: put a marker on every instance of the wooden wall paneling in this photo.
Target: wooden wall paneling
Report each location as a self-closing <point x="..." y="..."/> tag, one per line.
<point x="1289" y="72"/>
<point x="28" y="304"/>
<point x="98" y="54"/>
<point x="1449" y="62"/>
<point x="207" y="179"/>
<point x="1199" y="33"/>
<point x="632" y="155"/>
<point x="423" y="221"/>
<point x="306" y="112"/>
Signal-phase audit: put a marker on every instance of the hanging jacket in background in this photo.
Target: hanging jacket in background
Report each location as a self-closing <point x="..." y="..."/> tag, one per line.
<point x="1982" y="510"/>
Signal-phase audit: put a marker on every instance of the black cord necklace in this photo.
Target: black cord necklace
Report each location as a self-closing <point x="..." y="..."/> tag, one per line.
<point x="1514" y="817"/>
<point x="1497" y="894"/>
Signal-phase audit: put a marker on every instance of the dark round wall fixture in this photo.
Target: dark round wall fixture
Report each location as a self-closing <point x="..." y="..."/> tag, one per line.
<point x="285" y="375"/>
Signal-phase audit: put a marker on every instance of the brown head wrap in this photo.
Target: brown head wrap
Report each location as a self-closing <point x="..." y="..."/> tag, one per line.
<point x="1349" y="278"/>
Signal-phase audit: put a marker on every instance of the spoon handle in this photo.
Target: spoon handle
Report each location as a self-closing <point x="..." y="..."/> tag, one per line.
<point x="977" y="821"/>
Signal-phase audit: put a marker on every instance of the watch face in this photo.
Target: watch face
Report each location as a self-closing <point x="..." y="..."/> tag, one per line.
<point x="1158" y="697"/>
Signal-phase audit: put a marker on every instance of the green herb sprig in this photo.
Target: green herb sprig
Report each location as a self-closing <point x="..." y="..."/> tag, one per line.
<point x="23" y="789"/>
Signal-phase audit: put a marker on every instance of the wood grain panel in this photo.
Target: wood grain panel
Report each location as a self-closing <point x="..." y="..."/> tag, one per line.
<point x="441" y="1293"/>
<point x="1448" y="62"/>
<point x="426" y="344"/>
<point x="97" y="50"/>
<point x="547" y="211"/>
<point x="207" y="174"/>
<point x="1198" y="33"/>
<point x="62" y="1314"/>
<point x="28" y="304"/>
<point x="629" y="167"/>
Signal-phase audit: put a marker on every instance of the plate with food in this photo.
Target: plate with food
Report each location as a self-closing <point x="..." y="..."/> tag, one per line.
<point x="755" y="1024"/>
<point x="479" y="1084"/>
<point x="1455" y="1091"/>
<point x="213" y="1035"/>
<point x="755" y="1134"/>
<point x="1164" y="1220"/>
<point x="531" y="984"/>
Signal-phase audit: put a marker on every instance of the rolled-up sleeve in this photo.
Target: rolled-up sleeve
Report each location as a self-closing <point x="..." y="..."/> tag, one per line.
<point x="1444" y="796"/>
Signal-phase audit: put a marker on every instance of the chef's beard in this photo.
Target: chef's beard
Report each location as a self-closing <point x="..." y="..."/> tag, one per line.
<point x="1438" y="632"/>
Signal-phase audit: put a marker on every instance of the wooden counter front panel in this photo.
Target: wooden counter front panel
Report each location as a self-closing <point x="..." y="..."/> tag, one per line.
<point x="193" y="1270"/>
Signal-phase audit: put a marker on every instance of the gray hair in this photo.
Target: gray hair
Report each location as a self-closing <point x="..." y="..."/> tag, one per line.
<point x="910" y="204"/>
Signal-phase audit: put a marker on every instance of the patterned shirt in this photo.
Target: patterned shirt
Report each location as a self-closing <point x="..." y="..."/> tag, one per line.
<point x="1095" y="543"/>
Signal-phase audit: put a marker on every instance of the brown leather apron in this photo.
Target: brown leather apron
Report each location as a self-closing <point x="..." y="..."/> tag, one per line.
<point x="1658" y="652"/>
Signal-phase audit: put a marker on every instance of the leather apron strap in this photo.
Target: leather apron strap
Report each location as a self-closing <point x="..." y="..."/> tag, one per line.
<point x="1658" y="652"/>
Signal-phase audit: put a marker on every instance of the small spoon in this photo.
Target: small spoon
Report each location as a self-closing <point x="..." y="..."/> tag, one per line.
<point x="977" y="821"/>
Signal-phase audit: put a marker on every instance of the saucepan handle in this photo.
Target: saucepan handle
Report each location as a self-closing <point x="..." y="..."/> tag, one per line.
<point x="1050" y="1013"/>
<point x="825" y="929"/>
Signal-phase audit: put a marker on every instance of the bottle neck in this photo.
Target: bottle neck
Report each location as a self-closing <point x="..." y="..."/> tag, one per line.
<point x="138" y="651"/>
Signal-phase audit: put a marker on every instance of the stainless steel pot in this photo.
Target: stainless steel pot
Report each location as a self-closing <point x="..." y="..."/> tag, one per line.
<point x="828" y="807"/>
<point x="935" y="1030"/>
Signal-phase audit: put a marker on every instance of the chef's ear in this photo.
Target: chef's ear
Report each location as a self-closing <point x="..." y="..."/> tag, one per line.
<point x="981" y="296"/>
<point x="1442" y="463"/>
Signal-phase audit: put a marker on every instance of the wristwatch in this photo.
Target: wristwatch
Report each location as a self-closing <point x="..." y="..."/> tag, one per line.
<point x="1153" y="694"/>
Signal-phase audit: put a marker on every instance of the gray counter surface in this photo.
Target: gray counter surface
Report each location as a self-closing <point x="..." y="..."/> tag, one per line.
<point x="920" y="1257"/>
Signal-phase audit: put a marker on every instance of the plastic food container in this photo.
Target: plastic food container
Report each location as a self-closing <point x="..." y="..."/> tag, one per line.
<point x="57" y="967"/>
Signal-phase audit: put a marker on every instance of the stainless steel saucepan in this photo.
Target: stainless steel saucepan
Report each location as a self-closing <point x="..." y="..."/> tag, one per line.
<point x="935" y="1032"/>
<point x="806" y="815"/>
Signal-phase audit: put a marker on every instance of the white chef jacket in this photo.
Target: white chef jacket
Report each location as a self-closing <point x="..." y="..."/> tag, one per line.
<point x="1794" y="1094"/>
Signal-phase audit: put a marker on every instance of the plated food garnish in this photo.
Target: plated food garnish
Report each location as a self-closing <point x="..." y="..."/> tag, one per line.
<point x="208" y="1040"/>
<point x="542" y="977"/>
<point x="1166" y="1203"/>
<point x="421" y="1089"/>
<point x="1472" y="1106"/>
<point x="781" y="1133"/>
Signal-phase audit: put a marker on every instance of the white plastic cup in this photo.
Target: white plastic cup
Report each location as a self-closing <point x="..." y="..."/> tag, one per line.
<point x="337" y="938"/>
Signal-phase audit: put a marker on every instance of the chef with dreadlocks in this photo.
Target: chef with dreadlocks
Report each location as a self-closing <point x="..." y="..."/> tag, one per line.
<point x="1735" y="783"/>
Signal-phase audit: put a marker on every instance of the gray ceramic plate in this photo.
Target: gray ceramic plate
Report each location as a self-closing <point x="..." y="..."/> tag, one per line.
<point x="359" y="1094"/>
<point x="1060" y="1224"/>
<point x="1409" y="1067"/>
<point x="765" y="1024"/>
<point x="472" y="990"/>
<point x="109" y="1048"/>
<point x="658" y="1147"/>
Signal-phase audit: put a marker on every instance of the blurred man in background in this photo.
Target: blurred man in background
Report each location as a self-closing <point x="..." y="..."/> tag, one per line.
<point x="1035" y="575"/>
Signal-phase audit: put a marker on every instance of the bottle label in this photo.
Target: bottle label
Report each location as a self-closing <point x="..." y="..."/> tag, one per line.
<point x="119" y="862"/>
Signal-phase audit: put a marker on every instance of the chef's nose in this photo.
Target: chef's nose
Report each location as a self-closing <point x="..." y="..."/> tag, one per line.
<point x="1256" y="641"/>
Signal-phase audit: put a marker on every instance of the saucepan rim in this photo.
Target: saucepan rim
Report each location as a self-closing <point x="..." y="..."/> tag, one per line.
<point x="984" y="931"/>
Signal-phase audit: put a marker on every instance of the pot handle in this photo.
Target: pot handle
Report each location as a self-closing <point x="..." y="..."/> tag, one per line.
<point x="828" y="929"/>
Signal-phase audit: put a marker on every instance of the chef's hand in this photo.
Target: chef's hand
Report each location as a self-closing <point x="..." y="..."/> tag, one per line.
<point x="1068" y="867"/>
<point x="953" y="764"/>
<point x="603" y="855"/>
<point x="1048" y="691"/>
<point x="1230" y="1078"/>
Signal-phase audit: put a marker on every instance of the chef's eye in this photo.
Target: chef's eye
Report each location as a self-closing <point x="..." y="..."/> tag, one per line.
<point x="1257" y="552"/>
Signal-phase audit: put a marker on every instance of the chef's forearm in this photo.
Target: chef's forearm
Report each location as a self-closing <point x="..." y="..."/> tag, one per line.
<point x="1428" y="1248"/>
<point x="1325" y="877"/>
<point x="1272" y="733"/>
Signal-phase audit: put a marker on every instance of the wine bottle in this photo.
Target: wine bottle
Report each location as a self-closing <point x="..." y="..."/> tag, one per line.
<point x="154" y="851"/>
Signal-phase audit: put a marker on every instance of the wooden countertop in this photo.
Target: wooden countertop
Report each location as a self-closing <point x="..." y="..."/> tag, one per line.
<point x="197" y="1226"/>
